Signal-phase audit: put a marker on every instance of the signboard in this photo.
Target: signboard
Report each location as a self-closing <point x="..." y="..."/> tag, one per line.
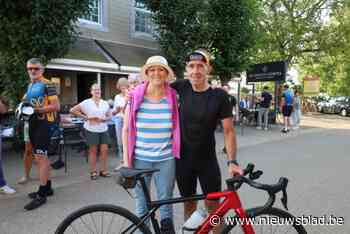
<point x="311" y="85"/>
<point x="274" y="71"/>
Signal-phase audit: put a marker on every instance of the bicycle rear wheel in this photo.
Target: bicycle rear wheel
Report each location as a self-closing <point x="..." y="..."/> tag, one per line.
<point x="101" y="219"/>
<point x="273" y="220"/>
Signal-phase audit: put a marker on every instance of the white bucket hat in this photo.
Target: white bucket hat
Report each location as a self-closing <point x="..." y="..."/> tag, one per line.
<point x="157" y="61"/>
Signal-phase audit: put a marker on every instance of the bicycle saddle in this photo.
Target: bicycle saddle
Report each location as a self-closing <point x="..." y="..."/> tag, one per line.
<point x="132" y="172"/>
<point x="127" y="177"/>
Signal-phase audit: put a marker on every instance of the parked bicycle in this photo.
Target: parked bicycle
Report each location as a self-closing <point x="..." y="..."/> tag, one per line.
<point x="115" y="219"/>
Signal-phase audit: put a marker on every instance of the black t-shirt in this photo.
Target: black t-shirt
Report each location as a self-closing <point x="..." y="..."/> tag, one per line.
<point x="199" y="113"/>
<point x="266" y="102"/>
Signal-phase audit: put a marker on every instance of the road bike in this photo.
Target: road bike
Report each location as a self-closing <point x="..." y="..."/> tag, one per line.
<point x="115" y="219"/>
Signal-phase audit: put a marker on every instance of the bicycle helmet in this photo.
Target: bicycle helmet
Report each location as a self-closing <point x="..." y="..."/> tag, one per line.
<point x="24" y="111"/>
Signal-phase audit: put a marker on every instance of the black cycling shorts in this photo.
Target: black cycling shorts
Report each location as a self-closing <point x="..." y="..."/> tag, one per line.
<point x="287" y="110"/>
<point x="39" y="136"/>
<point x="206" y="171"/>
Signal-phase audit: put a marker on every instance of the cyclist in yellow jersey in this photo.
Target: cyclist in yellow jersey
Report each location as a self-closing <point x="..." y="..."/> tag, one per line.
<point x="41" y="94"/>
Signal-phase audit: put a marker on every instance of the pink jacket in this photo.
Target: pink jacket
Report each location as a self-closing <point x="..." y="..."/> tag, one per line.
<point x="136" y="98"/>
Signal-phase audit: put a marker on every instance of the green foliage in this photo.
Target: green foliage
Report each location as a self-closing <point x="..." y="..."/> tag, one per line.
<point x="332" y="65"/>
<point x="224" y="27"/>
<point x="245" y="91"/>
<point x="233" y="33"/>
<point x="34" y="28"/>
<point x="294" y="29"/>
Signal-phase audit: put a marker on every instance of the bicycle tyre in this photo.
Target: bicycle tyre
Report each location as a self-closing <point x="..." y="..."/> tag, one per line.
<point x="101" y="208"/>
<point x="281" y="214"/>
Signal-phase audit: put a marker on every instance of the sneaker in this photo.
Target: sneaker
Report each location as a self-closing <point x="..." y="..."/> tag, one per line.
<point x="23" y="180"/>
<point x="295" y="127"/>
<point x="284" y="130"/>
<point x="7" y="190"/>
<point x="47" y="191"/>
<point x="266" y="129"/>
<point x="258" y="128"/>
<point x="34" y="195"/>
<point x="35" y="203"/>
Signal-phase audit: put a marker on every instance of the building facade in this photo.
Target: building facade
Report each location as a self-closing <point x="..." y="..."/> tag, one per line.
<point x="116" y="39"/>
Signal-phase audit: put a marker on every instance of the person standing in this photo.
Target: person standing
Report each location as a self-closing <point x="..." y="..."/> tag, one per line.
<point x="4" y="188"/>
<point x="42" y="95"/>
<point x="151" y="135"/>
<point x="200" y="107"/>
<point x="265" y="103"/>
<point x="95" y="112"/>
<point x="286" y="107"/>
<point x="134" y="80"/>
<point x="296" y="110"/>
<point x="118" y="112"/>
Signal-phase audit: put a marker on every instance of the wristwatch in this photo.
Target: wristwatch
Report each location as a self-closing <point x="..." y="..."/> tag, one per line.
<point x="234" y="161"/>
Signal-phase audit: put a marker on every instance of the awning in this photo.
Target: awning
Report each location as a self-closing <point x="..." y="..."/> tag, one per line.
<point x="90" y="55"/>
<point x="130" y="56"/>
<point x="86" y="49"/>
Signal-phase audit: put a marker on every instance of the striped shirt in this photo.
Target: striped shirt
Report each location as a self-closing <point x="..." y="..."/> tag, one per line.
<point x="154" y="131"/>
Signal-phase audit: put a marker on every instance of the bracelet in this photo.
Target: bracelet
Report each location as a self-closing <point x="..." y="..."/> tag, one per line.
<point x="234" y="161"/>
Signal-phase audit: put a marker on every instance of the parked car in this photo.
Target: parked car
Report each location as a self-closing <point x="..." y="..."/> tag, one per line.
<point x="322" y="104"/>
<point x="343" y="108"/>
<point x="334" y="105"/>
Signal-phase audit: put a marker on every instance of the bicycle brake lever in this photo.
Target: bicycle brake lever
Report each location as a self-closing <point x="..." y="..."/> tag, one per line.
<point x="249" y="169"/>
<point x="284" y="198"/>
<point x="255" y="175"/>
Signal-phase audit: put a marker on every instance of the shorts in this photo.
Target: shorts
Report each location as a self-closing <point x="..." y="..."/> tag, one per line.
<point x="287" y="110"/>
<point x="97" y="138"/>
<point x="206" y="171"/>
<point x="39" y="136"/>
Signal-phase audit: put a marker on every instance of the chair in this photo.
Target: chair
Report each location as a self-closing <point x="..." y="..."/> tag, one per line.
<point x="74" y="137"/>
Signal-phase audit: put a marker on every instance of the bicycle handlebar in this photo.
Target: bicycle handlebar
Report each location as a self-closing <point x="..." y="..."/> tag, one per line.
<point x="236" y="182"/>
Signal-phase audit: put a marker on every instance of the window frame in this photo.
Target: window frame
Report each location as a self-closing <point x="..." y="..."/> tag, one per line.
<point x="140" y="34"/>
<point x="102" y="15"/>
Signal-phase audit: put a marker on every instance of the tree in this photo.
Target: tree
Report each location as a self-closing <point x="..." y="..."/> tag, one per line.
<point x="224" y="27"/>
<point x="332" y="64"/>
<point x="34" y="28"/>
<point x="232" y="35"/>
<point x="293" y="29"/>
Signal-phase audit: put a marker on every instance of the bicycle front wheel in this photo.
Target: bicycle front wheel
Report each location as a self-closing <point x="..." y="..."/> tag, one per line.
<point x="101" y="219"/>
<point x="273" y="220"/>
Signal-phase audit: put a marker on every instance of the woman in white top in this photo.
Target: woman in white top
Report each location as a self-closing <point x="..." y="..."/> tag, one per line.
<point x="96" y="112"/>
<point x="118" y="112"/>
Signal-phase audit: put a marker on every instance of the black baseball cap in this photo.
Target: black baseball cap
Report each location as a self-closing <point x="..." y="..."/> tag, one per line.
<point x="198" y="55"/>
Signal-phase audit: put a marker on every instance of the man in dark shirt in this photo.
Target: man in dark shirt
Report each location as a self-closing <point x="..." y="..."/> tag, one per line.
<point x="200" y="107"/>
<point x="265" y="103"/>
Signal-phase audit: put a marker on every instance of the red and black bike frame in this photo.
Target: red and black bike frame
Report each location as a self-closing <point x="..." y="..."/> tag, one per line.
<point x="231" y="201"/>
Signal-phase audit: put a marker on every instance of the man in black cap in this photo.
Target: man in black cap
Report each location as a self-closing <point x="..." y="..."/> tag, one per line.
<point x="201" y="106"/>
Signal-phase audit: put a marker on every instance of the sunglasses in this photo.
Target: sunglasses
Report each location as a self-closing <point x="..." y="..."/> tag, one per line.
<point x="33" y="68"/>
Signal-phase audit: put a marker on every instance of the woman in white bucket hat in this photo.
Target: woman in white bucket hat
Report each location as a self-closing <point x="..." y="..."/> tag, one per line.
<point x="151" y="134"/>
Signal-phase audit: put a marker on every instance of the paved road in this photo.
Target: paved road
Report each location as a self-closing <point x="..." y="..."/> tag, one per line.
<point x="314" y="158"/>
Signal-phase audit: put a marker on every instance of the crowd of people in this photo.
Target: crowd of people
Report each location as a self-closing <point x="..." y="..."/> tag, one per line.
<point x="289" y="107"/>
<point x="158" y="123"/>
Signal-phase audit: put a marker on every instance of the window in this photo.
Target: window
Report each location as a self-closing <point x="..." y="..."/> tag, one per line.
<point x="143" y="22"/>
<point x="95" y="15"/>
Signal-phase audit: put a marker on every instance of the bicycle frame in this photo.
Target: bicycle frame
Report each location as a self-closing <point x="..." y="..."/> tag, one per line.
<point x="231" y="201"/>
